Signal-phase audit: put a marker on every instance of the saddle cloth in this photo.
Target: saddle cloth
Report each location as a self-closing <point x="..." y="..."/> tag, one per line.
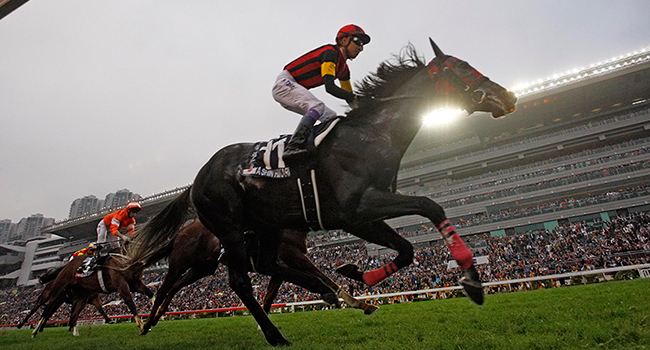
<point x="87" y="267"/>
<point x="90" y="264"/>
<point x="265" y="160"/>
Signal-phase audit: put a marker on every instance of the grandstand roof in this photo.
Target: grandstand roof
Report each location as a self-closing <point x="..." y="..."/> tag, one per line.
<point x="588" y="96"/>
<point x="9" y="6"/>
<point x="86" y="226"/>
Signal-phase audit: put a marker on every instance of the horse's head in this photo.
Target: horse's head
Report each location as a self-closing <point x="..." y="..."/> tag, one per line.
<point x="476" y="92"/>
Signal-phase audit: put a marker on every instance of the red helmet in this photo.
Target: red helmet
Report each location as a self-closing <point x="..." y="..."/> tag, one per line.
<point x="134" y="206"/>
<point x="353" y="30"/>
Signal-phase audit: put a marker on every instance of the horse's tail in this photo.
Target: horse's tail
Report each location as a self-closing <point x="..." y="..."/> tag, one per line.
<point x="50" y="274"/>
<point x="154" y="240"/>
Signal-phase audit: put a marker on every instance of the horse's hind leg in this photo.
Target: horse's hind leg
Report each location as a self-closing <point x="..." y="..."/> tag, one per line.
<point x="292" y="252"/>
<point x="241" y="284"/>
<point x="139" y="287"/>
<point x="49" y="310"/>
<point x="172" y="276"/>
<point x="271" y="292"/>
<point x="40" y="301"/>
<point x="233" y="242"/>
<point x="216" y="197"/>
<point x="380" y="233"/>
<point x="98" y="305"/>
<point x="268" y="264"/>
<point x="39" y="327"/>
<point x="77" y="306"/>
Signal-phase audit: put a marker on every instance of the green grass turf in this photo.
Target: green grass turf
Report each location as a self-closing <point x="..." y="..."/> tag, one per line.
<point x="613" y="315"/>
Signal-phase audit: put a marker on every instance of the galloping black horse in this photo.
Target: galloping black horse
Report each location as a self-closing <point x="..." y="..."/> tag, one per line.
<point x="355" y="170"/>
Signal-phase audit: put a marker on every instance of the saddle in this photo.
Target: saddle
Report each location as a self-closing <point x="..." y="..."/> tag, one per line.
<point x="265" y="160"/>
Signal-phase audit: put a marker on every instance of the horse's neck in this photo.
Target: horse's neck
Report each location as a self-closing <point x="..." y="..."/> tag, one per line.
<point x="399" y="118"/>
<point x="396" y="123"/>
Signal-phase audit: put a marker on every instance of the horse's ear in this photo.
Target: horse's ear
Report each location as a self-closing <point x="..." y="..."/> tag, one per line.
<point x="436" y="49"/>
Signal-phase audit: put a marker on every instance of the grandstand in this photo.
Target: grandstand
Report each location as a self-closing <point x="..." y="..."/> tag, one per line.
<point x="576" y="149"/>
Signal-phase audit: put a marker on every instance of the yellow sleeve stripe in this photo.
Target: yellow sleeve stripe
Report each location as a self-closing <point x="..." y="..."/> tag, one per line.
<point x="328" y="68"/>
<point x="345" y="85"/>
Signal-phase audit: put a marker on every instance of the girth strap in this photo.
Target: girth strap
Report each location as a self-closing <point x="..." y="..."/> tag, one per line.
<point x="100" y="278"/>
<point x="309" y="199"/>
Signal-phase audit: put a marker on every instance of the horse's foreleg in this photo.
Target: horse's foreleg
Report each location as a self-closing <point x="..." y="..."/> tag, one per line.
<point x="292" y="253"/>
<point x="97" y="303"/>
<point x="125" y="293"/>
<point x="379" y="205"/>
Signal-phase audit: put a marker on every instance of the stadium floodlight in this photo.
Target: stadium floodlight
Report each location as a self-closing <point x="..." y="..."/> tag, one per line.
<point x="574" y="75"/>
<point x="442" y="116"/>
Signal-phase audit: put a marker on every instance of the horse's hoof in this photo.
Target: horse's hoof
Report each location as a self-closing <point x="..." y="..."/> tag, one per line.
<point x="331" y="299"/>
<point x="279" y="342"/>
<point x="370" y="309"/>
<point x="472" y="286"/>
<point x="350" y="271"/>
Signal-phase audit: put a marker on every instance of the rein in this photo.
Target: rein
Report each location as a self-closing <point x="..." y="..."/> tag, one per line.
<point x="398" y="97"/>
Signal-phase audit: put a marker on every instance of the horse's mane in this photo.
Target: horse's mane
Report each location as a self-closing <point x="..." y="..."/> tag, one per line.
<point x="390" y="76"/>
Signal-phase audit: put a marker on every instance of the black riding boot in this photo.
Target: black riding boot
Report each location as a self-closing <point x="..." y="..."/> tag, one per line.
<point x="297" y="146"/>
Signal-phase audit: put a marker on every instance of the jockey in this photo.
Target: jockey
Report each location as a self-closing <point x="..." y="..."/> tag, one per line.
<point x="317" y="67"/>
<point x="89" y="250"/>
<point x="113" y="222"/>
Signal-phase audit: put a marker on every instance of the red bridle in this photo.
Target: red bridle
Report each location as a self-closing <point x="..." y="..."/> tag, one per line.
<point x="468" y="86"/>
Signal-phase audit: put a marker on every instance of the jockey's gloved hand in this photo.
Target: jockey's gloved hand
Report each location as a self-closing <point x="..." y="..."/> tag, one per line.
<point x="360" y="99"/>
<point x="126" y="238"/>
<point x="354" y="103"/>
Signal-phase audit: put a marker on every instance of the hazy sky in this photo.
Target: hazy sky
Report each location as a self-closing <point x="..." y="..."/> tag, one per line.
<point x="97" y="96"/>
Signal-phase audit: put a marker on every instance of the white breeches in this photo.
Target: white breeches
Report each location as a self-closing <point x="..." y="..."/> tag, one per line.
<point x="297" y="98"/>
